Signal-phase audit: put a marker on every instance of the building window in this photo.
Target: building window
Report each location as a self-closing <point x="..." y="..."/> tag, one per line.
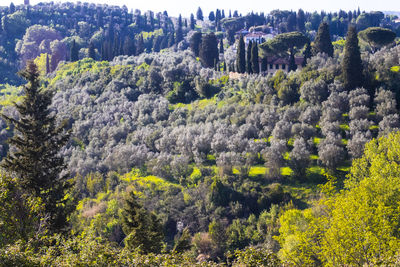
<point x="271" y="66"/>
<point x="283" y="66"/>
<point x="277" y="66"/>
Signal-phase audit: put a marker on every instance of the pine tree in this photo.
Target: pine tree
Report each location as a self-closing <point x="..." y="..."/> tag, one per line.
<point x="323" y="43"/>
<point x="248" y="58"/>
<point x="351" y="64"/>
<point x="35" y="146"/>
<point x="199" y="14"/>
<point x="254" y="58"/>
<point x="241" y="56"/>
<point x="74" y="52"/>
<point x="142" y="228"/>
<point x="92" y="52"/>
<point x="209" y="50"/>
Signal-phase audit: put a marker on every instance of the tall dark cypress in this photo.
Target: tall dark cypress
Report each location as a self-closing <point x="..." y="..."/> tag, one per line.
<point x="74" y="52"/>
<point x="34" y="158"/>
<point x="323" y="43"/>
<point x="254" y="58"/>
<point x="140" y="45"/>
<point x="209" y="50"/>
<point x="352" y="64"/>
<point x="248" y="58"/>
<point x="195" y="42"/>
<point x="179" y="34"/>
<point x="47" y="64"/>
<point x="192" y="21"/>
<point x="129" y="47"/>
<point x="306" y="54"/>
<point x="92" y="52"/>
<point x="241" y="56"/>
<point x="221" y="46"/>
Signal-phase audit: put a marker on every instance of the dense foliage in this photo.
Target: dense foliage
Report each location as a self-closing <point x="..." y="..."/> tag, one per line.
<point x="176" y="159"/>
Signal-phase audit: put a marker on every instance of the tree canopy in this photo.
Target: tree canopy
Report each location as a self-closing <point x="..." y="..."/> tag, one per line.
<point x="377" y="37"/>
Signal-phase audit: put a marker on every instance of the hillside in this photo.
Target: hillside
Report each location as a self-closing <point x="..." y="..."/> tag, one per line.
<point x="171" y="163"/>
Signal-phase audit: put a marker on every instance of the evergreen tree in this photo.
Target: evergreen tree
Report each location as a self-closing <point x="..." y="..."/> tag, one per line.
<point x="12" y="8"/>
<point x="74" y="52"/>
<point x="351" y="64"/>
<point x="92" y="52"/>
<point x="192" y="22"/>
<point x="211" y="16"/>
<point x="195" y="42"/>
<point x="306" y="54"/>
<point x="199" y="14"/>
<point x="248" y="58"/>
<point x="142" y="228"/>
<point x="217" y="15"/>
<point x="183" y="242"/>
<point x="157" y="43"/>
<point x="301" y="21"/>
<point x="36" y="143"/>
<point x="171" y="40"/>
<point x="323" y="43"/>
<point x="140" y="45"/>
<point x="209" y="50"/>
<point x="241" y="56"/>
<point x="254" y="58"/>
<point x="129" y="47"/>
<point x="179" y="34"/>
<point x="221" y="46"/>
<point x="292" y="62"/>
<point x="47" y="64"/>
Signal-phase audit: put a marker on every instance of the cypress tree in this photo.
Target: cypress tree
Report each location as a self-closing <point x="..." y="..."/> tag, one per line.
<point x="351" y="64"/>
<point x="164" y="42"/>
<point x="209" y="50"/>
<point x="74" y="52"/>
<point x="195" y="42"/>
<point x="179" y="34"/>
<point x="199" y="14"/>
<point x="157" y="43"/>
<point x="92" y="52"/>
<point x="192" y="22"/>
<point x="142" y="228"/>
<point x="221" y="46"/>
<point x="171" y="40"/>
<point x="292" y="62"/>
<point x="254" y="58"/>
<point x="306" y="54"/>
<point x="241" y="56"/>
<point x="47" y="64"/>
<point x="323" y="43"/>
<point x="248" y="59"/>
<point x="34" y="158"/>
<point x="129" y="47"/>
<point x="140" y="45"/>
